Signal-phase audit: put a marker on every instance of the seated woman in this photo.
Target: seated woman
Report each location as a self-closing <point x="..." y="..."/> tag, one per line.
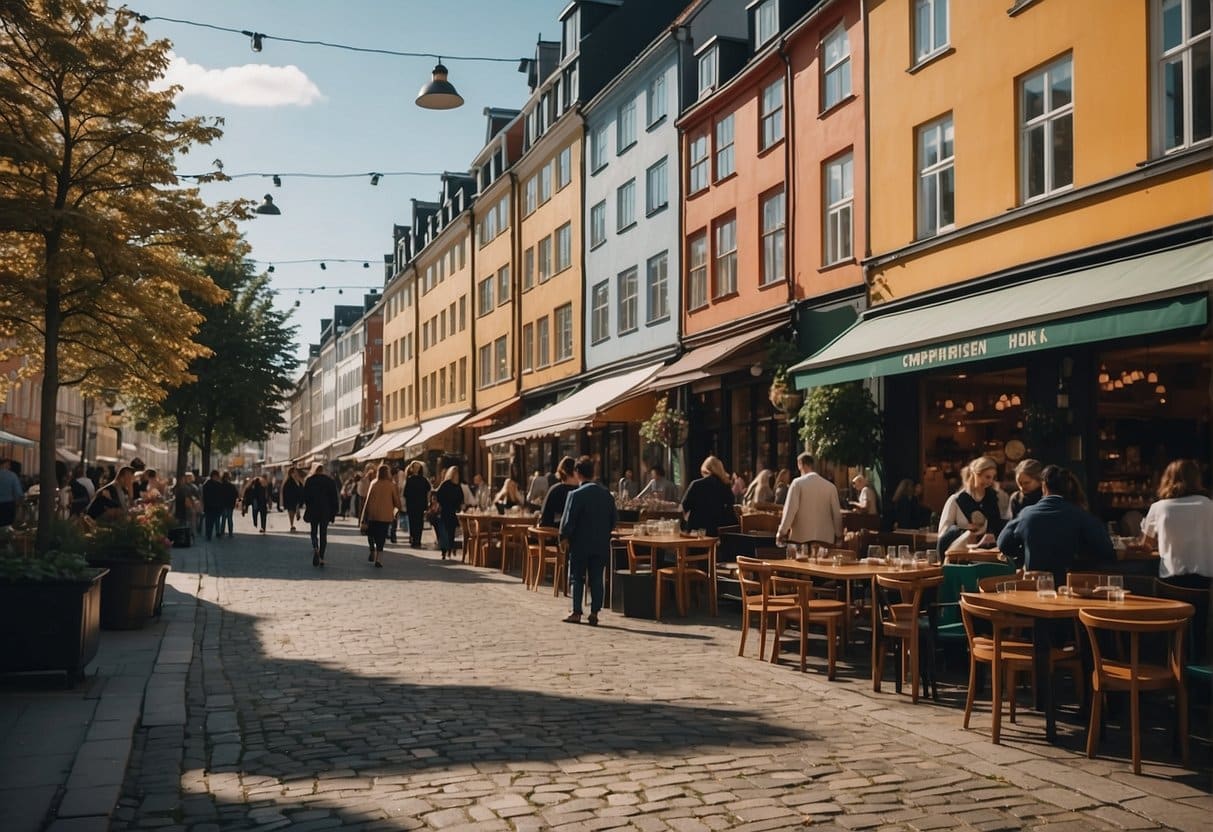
<point x="760" y="490"/>
<point x="708" y="503"/>
<point x="508" y="497"/>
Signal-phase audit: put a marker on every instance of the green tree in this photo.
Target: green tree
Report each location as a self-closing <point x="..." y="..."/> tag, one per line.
<point x="240" y="385"/>
<point x="841" y="423"/>
<point x="99" y="240"/>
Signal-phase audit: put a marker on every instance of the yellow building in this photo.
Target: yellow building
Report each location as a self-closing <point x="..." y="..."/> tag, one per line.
<point x="1038" y="253"/>
<point x="443" y="264"/>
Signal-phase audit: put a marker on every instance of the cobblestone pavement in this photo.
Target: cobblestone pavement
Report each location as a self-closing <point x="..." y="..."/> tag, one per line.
<point x="428" y="695"/>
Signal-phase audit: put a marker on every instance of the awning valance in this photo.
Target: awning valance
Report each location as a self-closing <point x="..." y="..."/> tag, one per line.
<point x="575" y="411"/>
<point x="432" y="429"/>
<point x="379" y="448"/>
<point x="1156" y="292"/>
<point x="342" y="447"/>
<point x="698" y="363"/>
<point x="484" y="418"/>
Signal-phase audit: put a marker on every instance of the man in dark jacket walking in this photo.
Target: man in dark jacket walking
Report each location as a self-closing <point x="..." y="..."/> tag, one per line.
<point x="589" y="518"/>
<point x="212" y="503"/>
<point x="321" y="502"/>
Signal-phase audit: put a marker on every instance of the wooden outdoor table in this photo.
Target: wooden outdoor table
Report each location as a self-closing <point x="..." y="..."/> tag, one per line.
<point x="498" y="523"/>
<point x="653" y="542"/>
<point x="1026" y="602"/>
<point x="967" y="555"/>
<point x="848" y="572"/>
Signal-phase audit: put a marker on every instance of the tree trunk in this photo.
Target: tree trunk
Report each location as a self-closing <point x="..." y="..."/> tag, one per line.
<point x="183" y="453"/>
<point x="48" y="493"/>
<point x="206" y="445"/>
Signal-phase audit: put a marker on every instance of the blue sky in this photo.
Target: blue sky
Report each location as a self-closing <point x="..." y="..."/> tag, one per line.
<point x="318" y="110"/>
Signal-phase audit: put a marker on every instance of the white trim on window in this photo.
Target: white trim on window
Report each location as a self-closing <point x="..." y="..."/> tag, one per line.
<point x="936" y="196"/>
<point x="1046" y="130"/>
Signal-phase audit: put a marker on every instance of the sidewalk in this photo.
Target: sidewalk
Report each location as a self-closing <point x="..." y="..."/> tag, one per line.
<point x="64" y="753"/>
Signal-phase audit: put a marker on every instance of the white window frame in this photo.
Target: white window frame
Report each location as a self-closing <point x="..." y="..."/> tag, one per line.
<point x="598" y="149"/>
<point x="503" y="285"/>
<point x="628" y="293"/>
<point x="564" y="168"/>
<point x="697" y="271"/>
<point x="774" y="227"/>
<point x="724" y="260"/>
<point x="724" y="163"/>
<point x="598" y="224"/>
<point x="543" y="338"/>
<point x="656" y="187"/>
<point x="766" y="29"/>
<point x="837" y="65"/>
<point x="935" y="139"/>
<point x="698" y="162"/>
<point x="545" y="182"/>
<point x="625" y="126"/>
<point x="528" y="268"/>
<point x="625" y="206"/>
<point x="1047" y="122"/>
<point x="484" y="375"/>
<point x="600" y="312"/>
<point x="1181" y="53"/>
<point x="564" y="247"/>
<point x="929" y="40"/>
<point x="531" y="198"/>
<point x="657" y="287"/>
<point x="839" y="245"/>
<point x="771" y="122"/>
<point x="528" y="347"/>
<point x="562" y="319"/>
<point x="543" y="254"/>
<point x="656" y="106"/>
<point x="484" y="296"/>
<point x="501" y="359"/>
<point x="708" y="71"/>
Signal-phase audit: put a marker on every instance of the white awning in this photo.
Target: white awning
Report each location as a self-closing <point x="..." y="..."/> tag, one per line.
<point x="391" y="441"/>
<point x="320" y="450"/>
<point x="130" y="447"/>
<point x="7" y="438"/>
<point x="67" y="455"/>
<point x="697" y="363"/>
<point x="575" y="411"/>
<point x="431" y="429"/>
<point x="152" y="449"/>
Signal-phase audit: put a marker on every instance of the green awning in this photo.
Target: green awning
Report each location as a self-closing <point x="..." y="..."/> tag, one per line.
<point x="1157" y="292"/>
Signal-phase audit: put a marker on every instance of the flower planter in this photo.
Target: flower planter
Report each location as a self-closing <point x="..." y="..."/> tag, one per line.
<point x="50" y="626"/>
<point x="131" y="593"/>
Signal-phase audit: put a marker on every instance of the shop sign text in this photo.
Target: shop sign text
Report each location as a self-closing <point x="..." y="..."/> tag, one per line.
<point x="1025" y="339"/>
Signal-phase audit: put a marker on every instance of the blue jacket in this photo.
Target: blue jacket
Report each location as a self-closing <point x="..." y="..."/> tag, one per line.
<point x="1049" y="535"/>
<point x="589" y="518"/>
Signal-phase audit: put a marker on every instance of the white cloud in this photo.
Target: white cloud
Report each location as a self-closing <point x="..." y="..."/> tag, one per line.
<point x="251" y="85"/>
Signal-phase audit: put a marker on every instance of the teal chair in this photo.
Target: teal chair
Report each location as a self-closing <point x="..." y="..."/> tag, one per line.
<point x="958" y="578"/>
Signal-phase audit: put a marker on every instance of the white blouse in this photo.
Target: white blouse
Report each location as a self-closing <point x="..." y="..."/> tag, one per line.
<point x="1183" y="527"/>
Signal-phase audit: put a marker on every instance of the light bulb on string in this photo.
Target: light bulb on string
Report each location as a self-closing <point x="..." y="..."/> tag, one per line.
<point x="323" y="267"/>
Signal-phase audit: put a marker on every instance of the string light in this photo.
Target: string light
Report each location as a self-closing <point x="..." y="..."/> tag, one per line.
<point x="258" y="39"/>
<point x="277" y="178"/>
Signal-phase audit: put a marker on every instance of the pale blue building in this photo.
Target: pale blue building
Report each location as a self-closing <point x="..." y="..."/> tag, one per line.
<point x="631" y="203"/>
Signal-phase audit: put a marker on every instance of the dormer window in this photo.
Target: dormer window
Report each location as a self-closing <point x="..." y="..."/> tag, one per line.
<point x="572" y="34"/>
<point x="709" y="68"/>
<point x="766" y="22"/>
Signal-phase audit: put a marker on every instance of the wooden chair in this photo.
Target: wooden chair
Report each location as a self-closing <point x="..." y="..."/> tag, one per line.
<point x="760" y="522"/>
<point x="1006" y="652"/>
<point x="757" y="598"/>
<point x="1134" y="675"/>
<point x="470" y="543"/>
<point x="513" y="546"/>
<point x="901" y="622"/>
<point x="991" y="583"/>
<point x="805" y="610"/>
<point x="551" y="553"/>
<point x="488" y="545"/>
<point x="689" y="568"/>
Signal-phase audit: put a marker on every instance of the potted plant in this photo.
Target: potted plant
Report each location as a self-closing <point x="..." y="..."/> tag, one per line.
<point x="667" y="426"/>
<point x="841" y="423"/>
<point x="783" y="397"/>
<point x="134" y="546"/>
<point x="49" y="604"/>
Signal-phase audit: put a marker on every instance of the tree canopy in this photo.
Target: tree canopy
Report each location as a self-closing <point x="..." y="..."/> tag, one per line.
<point x="99" y="239"/>
<point x="240" y="385"/>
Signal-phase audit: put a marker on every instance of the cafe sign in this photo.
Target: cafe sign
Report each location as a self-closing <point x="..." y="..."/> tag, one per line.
<point x="1024" y="339"/>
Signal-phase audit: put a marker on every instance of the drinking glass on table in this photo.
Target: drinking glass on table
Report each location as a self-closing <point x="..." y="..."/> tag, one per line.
<point x="932" y="557"/>
<point x="903" y="552"/>
<point x="1044" y="587"/>
<point x="1115" y="582"/>
<point x="875" y="552"/>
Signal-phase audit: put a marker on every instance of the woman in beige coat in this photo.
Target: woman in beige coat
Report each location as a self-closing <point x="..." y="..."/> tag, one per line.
<point x="379" y="511"/>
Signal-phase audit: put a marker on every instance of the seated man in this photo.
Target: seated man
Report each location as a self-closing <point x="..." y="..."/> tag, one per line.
<point x="1050" y="535"/>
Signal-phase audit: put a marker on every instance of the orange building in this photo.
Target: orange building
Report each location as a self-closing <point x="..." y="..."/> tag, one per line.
<point x="1039" y="239"/>
<point x="777" y="128"/>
